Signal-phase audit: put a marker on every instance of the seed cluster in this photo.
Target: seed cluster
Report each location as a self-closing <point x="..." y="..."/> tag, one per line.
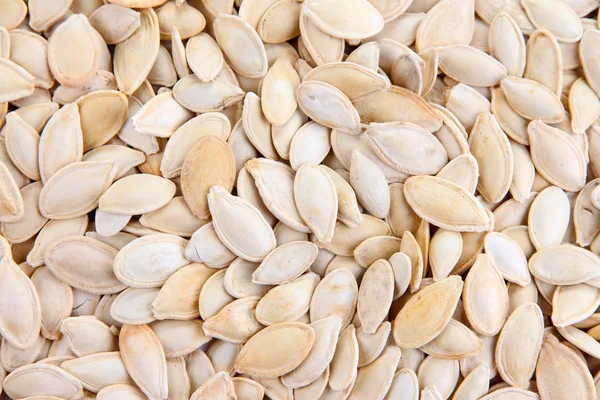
<point x="300" y="199"/>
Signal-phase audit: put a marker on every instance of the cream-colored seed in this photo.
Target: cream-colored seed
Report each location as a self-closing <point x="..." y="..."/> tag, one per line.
<point x="299" y="200"/>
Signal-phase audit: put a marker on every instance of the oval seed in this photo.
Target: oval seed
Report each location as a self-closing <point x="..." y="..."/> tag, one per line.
<point x="310" y="145"/>
<point x="574" y="303"/>
<point x="548" y="217"/>
<point x="557" y="17"/>
<point x="326" y="337"/>
<point x="275" y="350"/>
<point x="544" y="61"/>
<point x="316" y="200"/>
<point x="144" y="359"/>
<point x="422" y="318"/>
<point x="375" y="295"/>
<point x="555" y="362"/>
<point x="424" y="193"/>
<point x="275" y="183"/>
<point x="519" y="345"/>
<point x="392" y="142"/>
<point x="272" y="308"/>
<point x="115" y="23"/>
<point x="137" y="194"/>
<point x="446" y="23"/>
<point x="491" y="148"/>
<point x="232" y="32"/>
<point x="133" y="306"/>
<point x="20" y="310"/>
<point x="564" y="265"/>
<point x="18" y="82"/>
<point x="135" y="56"/>
<point x="545" y="157"/>
<point x="200" y="97"/>
<point x="485" y="290"/>
<point x="285" y="263"/>
<point x="74" y="67"/>
<point x="84" y="263"/>
<point x="470" y="66"/>
<point x="332" y="109"/>
<point x="541" y="102"/>
<point x="507" y="45"/>
<point x="97" y="128"/>
<point x="508" y="257"/>
<point x="370" y="185"/>
<point x="42" y="380"/>
<point x="371" y="345"/>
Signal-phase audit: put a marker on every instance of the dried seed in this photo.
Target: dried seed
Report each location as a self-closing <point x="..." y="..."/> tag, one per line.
<point x="544" y="61"/>
<point x="144" y="359"/>
<point x="519" y="345"/>
<point x="422" y="319"/>
<point x="287" y="345"/>
<point x="135" y="56"/>
<point x="557" y="17"/>
<point x="506" y="44"/>
<point x="532" y="100"/>
<point x="42" y="380"/>
<point x="447" y="23"/>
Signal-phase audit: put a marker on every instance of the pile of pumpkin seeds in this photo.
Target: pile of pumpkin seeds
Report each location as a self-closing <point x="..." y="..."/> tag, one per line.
<point x="287" y="199"/>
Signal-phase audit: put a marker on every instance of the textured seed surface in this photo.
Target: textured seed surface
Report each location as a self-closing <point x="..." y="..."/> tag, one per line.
<point x="299" y="200"/>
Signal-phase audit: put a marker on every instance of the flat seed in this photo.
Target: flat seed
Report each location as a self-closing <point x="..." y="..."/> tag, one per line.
<point x="506" y="44"/>
<point x="257" y="127"/>
<point x="312" y="183"/>
<point x="177" y="298"/>
<point x="115" y="23"/>
<point x="541" y="102"/>
<point x="332" y="109"/>
<point x="204" y="57"/>
<point x="235" y="323"/>
<point x="491" y="148"/>
<point x="137" y="194"/>
<point x="310" y="145"/>
<point x="70" y="67"/>
<point x="348" y="209"/>
<point x="587" y="55"/>
<point x="370" y="185"/>
<point x="544" y="61"/>
<point x="76" y="178"/>
<point x="437" y="376"/>
<point x="397" y="104"/>
<point x="572" y="304"/>
<point x="161" y="116"/>
<point x="508" y="257"/>
<point x="84" y="263"/>
<point x="555" y="361"/>
<point x="392" y="140"/>
<point x="317" y="46"/>
<point x="470" y="66"/>
<point x="30" y="51"/>
<point x="42" y="380"/>
<point x="98" y="128"/>
<point x="205" y="247"/>
<point x="287" y="345"/>
<point x="471" y="217"/>
<point x="135" y="56"/>
<point x="346" y="239"/>
<point x="358" y="19"/>
<point x="377" y="287"/>
<point x="422" y="319"/>
<point x="87" y="335"/>
<point x="255" y="240"/>
<point x="61" y="142"/>
<point x="285" y="263"/>
<point x="32" y="221"/>
<point x="326" y="337"/>
<point x="275" y="183"/>
<point x="22" y="143"/>
<point x="20" y="314"/>
<point x="585" y="215"/>
<point x="583" y="105"/>
<point x="270" y="311"/>
<point x="231" y="32"/>
<point x="201" y="97"/>
<point x="371" y="345"/>
<point x="278" y="91"/>
<point x="447" y="23"/>
<point x="557" y="17"/>
<point x="133" y="306"/>
<point x="148" y="261"/>
<point x="544" y="140"/>
<point x="375" y="379"/>
<point x="545" y="231"/>
<point x="144" y="359"/>
<point x="466" y="104"/>
<point x="219" y="385"/>
<point x="519" y="345"/>
<point x="353" y="80"/>
<point x="97" y="371"/>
